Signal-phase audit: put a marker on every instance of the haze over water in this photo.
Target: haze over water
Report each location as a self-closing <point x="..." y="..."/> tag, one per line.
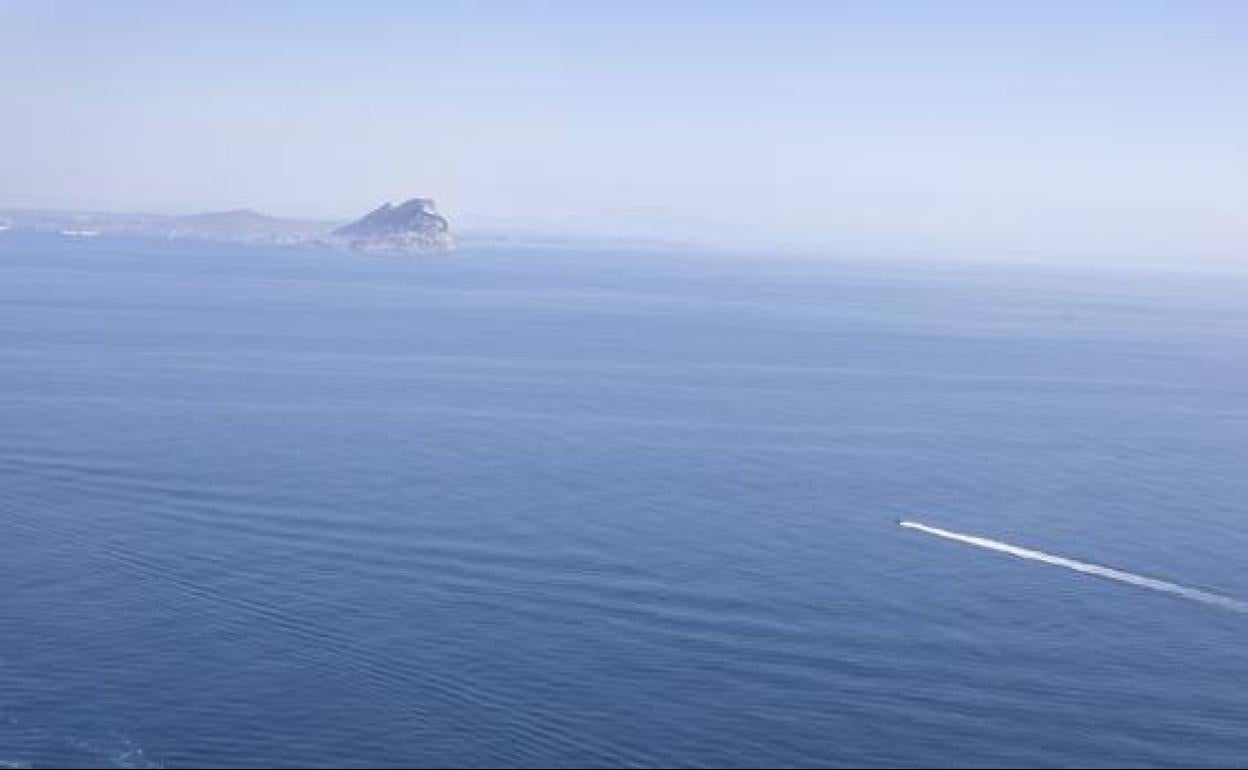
<point x="1109" y="133"/>
<point x="577" y="507"/>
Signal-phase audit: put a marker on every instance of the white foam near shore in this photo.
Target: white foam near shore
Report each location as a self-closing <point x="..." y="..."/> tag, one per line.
<point x="1152" y="584"/>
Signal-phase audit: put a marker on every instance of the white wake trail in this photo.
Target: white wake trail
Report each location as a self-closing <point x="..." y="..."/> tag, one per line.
<point x="1195" y="594"/>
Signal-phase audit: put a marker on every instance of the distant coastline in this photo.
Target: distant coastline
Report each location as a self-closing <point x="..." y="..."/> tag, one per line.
<point x="422" y="231"/>
<point x="249" y="227"/>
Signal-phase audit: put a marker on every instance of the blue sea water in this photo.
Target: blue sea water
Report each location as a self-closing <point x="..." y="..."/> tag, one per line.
<point x="611" y="508"/>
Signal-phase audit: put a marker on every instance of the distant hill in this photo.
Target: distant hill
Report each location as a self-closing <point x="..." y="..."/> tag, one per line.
<point x="246" y="225"/>
<point x="414" y="227"/>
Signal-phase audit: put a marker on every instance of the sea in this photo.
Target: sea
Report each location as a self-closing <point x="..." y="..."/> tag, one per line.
<point x="615" y="507"/>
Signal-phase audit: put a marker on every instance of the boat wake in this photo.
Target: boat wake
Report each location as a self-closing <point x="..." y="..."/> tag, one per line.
<point x="1130" y="578"/>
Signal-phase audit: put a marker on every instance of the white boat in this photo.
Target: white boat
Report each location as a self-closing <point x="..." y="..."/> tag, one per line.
<point x="80" y="233"/>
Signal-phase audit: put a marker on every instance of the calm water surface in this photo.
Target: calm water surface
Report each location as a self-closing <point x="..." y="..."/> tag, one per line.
<point x="558" y="507"/>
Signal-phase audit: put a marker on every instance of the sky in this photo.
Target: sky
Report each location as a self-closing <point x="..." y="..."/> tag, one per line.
<point x="1091" y="131"/>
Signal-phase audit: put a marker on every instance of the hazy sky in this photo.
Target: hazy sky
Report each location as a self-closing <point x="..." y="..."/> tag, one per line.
<point x="1099" y="130"/>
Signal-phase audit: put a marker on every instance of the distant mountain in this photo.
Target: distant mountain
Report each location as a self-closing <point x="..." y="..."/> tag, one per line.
<point x="413" y="227"/>
<point x="245" y="226"/>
